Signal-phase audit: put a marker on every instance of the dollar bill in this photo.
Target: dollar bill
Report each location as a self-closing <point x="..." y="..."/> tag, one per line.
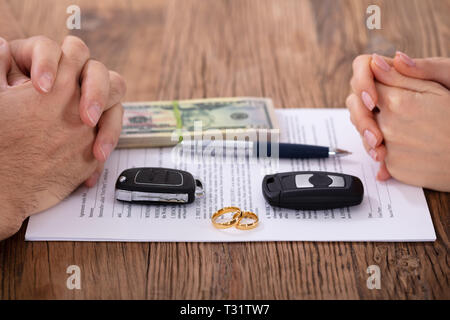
<point x="151" y="124"/>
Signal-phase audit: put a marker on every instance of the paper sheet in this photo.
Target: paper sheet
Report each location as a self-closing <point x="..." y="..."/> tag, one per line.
<point x="390" y="211"/>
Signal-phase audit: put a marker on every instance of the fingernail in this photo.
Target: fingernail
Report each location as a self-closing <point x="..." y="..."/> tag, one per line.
<point x="94" y="113"/>
<point x="106" y="150"/>
<point x="367" y="99"/>
<point x="370" y="138"/>
<point x="373" y="154"/>
<point x="407" y="60"/>
<point x="2" y="42"/>
<point x="380" y="62"/>
<point x="46" y="82"/>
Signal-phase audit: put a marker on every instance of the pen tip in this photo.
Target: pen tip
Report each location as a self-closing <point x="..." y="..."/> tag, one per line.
<point x="339" y="152"/>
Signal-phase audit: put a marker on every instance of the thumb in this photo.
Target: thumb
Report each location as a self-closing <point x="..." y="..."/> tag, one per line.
<point x="434" y="69"/>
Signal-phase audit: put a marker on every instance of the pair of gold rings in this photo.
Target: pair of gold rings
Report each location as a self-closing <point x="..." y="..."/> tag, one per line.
<point x="236" y="220"/>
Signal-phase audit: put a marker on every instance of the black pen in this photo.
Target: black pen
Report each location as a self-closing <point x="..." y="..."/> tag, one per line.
<point x="285" y="150"/>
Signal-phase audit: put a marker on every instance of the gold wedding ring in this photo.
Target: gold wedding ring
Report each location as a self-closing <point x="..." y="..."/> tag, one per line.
<point x="236" y="219"/>
<point x="247" y="226"/>
<point x="224" y="225"/>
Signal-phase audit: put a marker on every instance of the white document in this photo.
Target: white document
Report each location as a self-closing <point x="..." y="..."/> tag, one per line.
<point x="390" y="211"/>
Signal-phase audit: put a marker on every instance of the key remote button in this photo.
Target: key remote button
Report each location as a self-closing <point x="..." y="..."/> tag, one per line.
<point x="337" y="181"/>
<point x="150" y="176"/>
<point x="303" y="181"/>
<point x="320" y="180"/>
<point x="173" y="178"/>
<point x="159" y="177"/>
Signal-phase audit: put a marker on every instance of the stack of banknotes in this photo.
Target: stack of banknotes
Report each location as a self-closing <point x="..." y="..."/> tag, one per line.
<point x="161" y="123"/>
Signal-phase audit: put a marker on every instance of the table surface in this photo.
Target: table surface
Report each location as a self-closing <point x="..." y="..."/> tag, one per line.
<point x="297" y="52"/>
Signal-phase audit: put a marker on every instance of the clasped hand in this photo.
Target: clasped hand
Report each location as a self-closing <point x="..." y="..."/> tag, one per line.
<point x="61" y="118"/>
<point x="410" y="133"/>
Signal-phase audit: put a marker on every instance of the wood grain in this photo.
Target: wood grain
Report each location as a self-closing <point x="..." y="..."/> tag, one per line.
<point x="297" y="52"/>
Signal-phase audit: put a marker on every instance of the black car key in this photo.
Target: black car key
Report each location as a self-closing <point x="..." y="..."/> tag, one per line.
<point x="155" y="185"/>
<point x="312" y="190"/>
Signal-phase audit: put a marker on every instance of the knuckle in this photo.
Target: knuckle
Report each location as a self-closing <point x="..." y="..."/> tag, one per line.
<point x="41" y="39"/>
<point x="77" y="45"/>
<point x="352" y="82"/>
<point x="41" y="42"/>
<point x="97" y="64"/>
<point x="15" y="45"/>
<point x="398" y="102"/>
<point x="118" y="83"/>
<point x="349" y="100"/>
<point x="358" y="60"/>
<point x="94" y="67"/>
<point x="5" y="54"/>
<point x="390" y="100"/>
<point x="5" y="44"/>
<point x="362" y="125"/>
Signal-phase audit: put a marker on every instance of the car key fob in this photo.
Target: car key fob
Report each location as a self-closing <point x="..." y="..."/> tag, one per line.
<point x="312" y="190"/>
<point x="155" y="185"/>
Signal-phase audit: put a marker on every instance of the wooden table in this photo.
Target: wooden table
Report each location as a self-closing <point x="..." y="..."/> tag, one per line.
<point x="297" y="52"/>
